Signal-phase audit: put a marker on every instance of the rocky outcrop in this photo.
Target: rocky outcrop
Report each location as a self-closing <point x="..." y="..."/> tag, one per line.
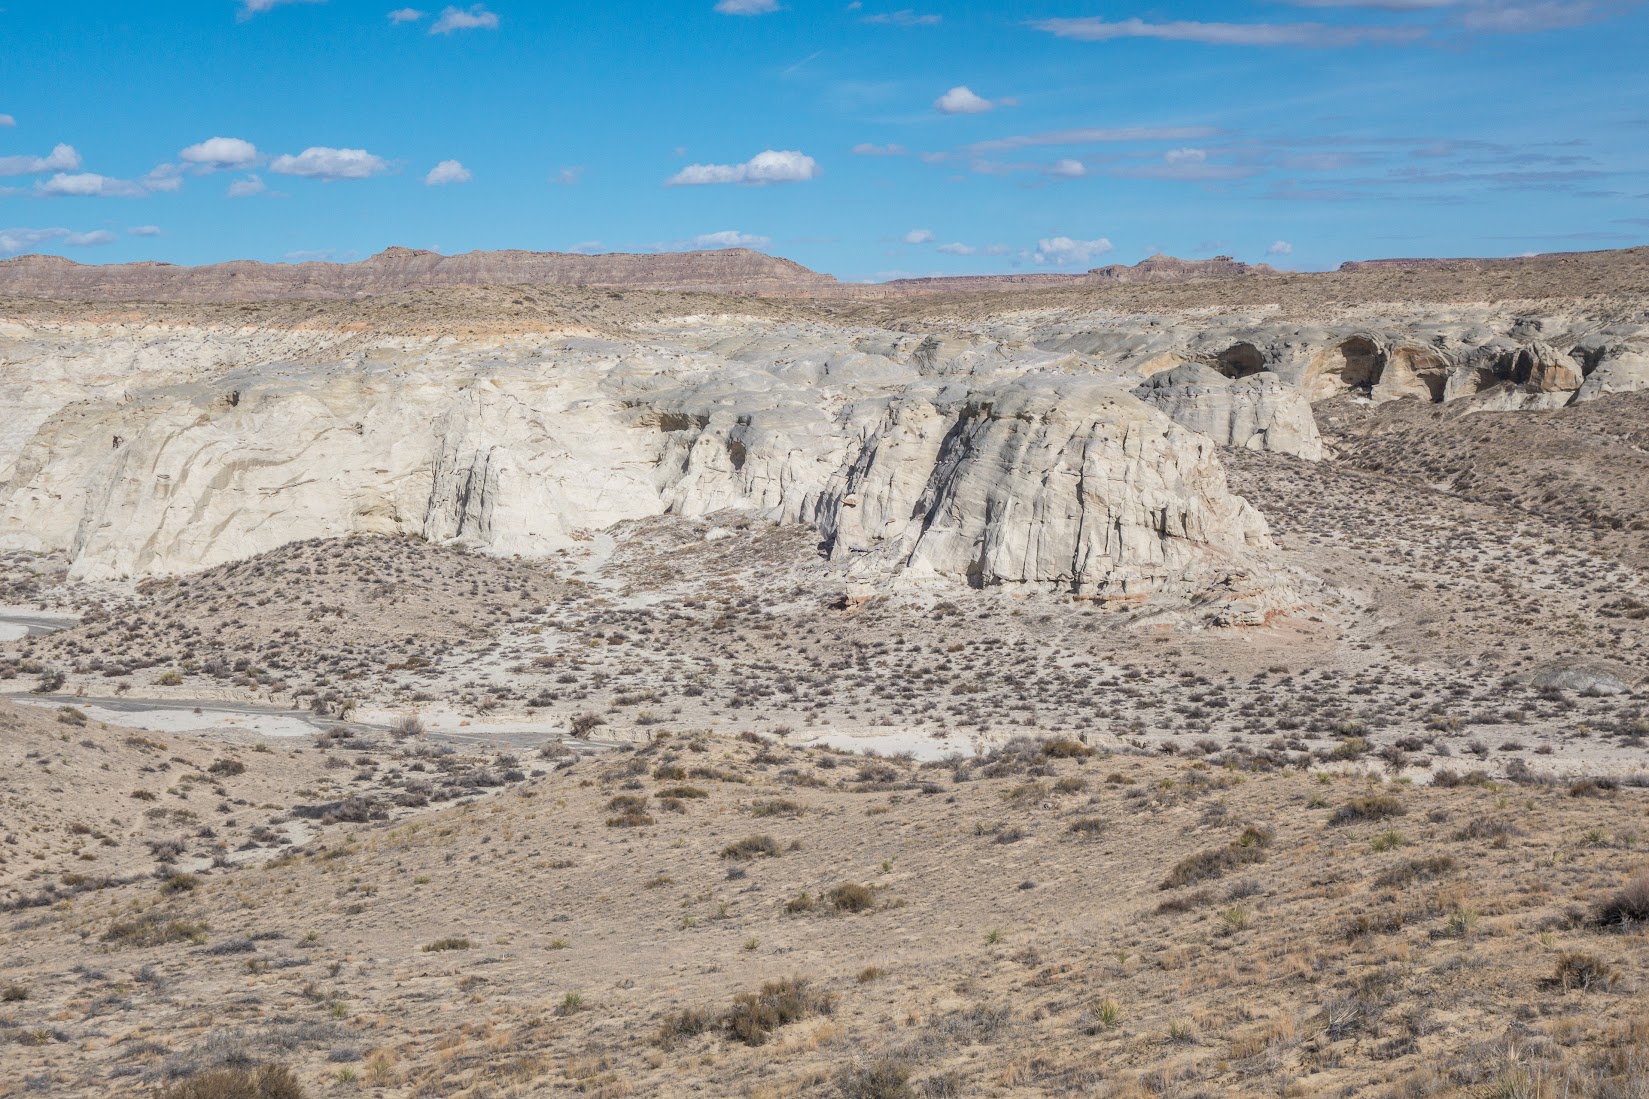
<point x="925" y="462"/>
<point x="1161" y="268"/>
<point x="1257" y="411"/>
<point x="1045" y="480"/>
<point x="725" y="271"/>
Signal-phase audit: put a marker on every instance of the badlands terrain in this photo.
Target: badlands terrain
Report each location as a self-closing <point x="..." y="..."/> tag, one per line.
<point x="1187" y="679"/>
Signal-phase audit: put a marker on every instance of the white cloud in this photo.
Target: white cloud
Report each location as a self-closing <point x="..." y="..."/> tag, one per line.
<point x="731" y="238"/>
<point x="144" y="231"/>
<point x="7" y="121"/>
<point x="14" y="241"/>
<point x="245" y="188"/>
<point x="1189" y="165"/>
<point x="960" y="100"/>
<point x="919" y="236"/>
<point x="320" y="162"/>
<point x="448" y="171"/>
<point x="905" y="17"/>
<point x="1185" y="156"/>
<point x="249" y="8"/>
<point x="787" y="166"/>
<point x="747" y="7"/>
<point x="62" y="158"/>
<point x="566" y="177"/>
<point x="1067" y="168"/>
<point x="958" y="249"/>
<point x="1316" y="35"/>
<point x="1516" y="17"/>
<point x="406" y="15"/>
<point x="89" y="185"/>
<point x="163" y="177"/>
<point x="865" y="148"/>
<point x="1280" y="248"/>
<point x="475" y="17"/>
<point x="1063" y="250"/>
<point x="221" y="152"/>
<point x="585" y="248"/>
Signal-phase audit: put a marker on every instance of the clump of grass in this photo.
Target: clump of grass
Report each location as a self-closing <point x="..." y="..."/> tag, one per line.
<point x="687" y="1023"/>
<point x="1087" y="826"/>
<point x="801" y="902"/>
<point x="851" y="897"/>
<point x="1247" y="849"/>
<point x="263" y="1082"/>
<point x="1372" y="807"/>
<point x="450" y="942"/>
<point x="754" y="1016"/>
<point x="752" y="847"/>
<point x="683" y="793"/>
<point x="1627" y="908"/>
<point x="154" y="929"/>
<point x="179" y="883"/>
<point x="1065" y="748"/>
<point x="871" y="973"/>
<point x="630" y="811"/>
<point x="883" y="1078"/>
<point x="1583" y="971"/>
<point x="15" y="994"/>
<point x="1389" y="840"/>
<point x="1071" y="784"/>
<point x="776" y="807"/>
<point x="1413" y="870"/>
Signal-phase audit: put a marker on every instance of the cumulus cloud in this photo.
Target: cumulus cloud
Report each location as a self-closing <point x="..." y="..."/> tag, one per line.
<point x="249" y="8"/>
<point x="1067" y="168"/>
<point x="865" y="148"/>
<point x="144" y="231"/>
<point x="961" y="100"/>
<point x="7" y="121"/>
<point x="448" y="171"/>
<point x="747" y="7"/>
<point x="904" y="17"/>
<point x="475" y="17"/>
<point x="220" y="152"/>
<point x="62" y="158"/>
<point x="15" y="241"/>
<point x="1061" y="251"/>
<point x="771" y="166"/>
<point x="731" y="238"/>
<point x="919" y="236"/>
<point x="320" y="162"/>
<point x="1280" y="248"/>
<point x="246" y="188"/>
<point x="1310" y="35"/>
<point x="89" y="185"/>
<point x="406" y="15"/>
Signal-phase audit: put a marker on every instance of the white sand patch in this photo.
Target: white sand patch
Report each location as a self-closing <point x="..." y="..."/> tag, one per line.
<point x="13" y="631"/>
<point x="189" y="721"/>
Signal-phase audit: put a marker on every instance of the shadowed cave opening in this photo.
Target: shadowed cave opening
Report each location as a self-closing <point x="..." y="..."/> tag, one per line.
<point x="1240" y="361"/>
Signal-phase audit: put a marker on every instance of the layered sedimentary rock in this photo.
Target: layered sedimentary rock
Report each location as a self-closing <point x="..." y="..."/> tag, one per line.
<point x="725" y="271"/>
<point x="919" y="460"/>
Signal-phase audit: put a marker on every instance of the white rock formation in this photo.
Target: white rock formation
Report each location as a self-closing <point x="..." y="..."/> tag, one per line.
<point x="944" y="461"/>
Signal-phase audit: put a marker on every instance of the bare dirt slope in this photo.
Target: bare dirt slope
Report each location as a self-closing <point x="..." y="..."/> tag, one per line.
<point x="1037" y="922"/>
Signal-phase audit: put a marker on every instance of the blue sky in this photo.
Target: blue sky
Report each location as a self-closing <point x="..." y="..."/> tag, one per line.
<point x="869" y="140"/>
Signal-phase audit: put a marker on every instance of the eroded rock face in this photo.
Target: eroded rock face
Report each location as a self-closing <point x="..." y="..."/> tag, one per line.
<point x="920" y="462"/>
<point x="1257" y="411"/>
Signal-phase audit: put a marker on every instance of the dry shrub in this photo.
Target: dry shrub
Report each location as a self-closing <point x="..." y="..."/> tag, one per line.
<point x="1583" y="971"/>
<point x="851" y="897"/>
<point x="1627" y="908"/>
<point x="754" y="1016"/>
<point x="751" y="847"/>
<point x="264" y="1082"/>
<point x="1372" y="807"/>
<point x="1245" y="850"/>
